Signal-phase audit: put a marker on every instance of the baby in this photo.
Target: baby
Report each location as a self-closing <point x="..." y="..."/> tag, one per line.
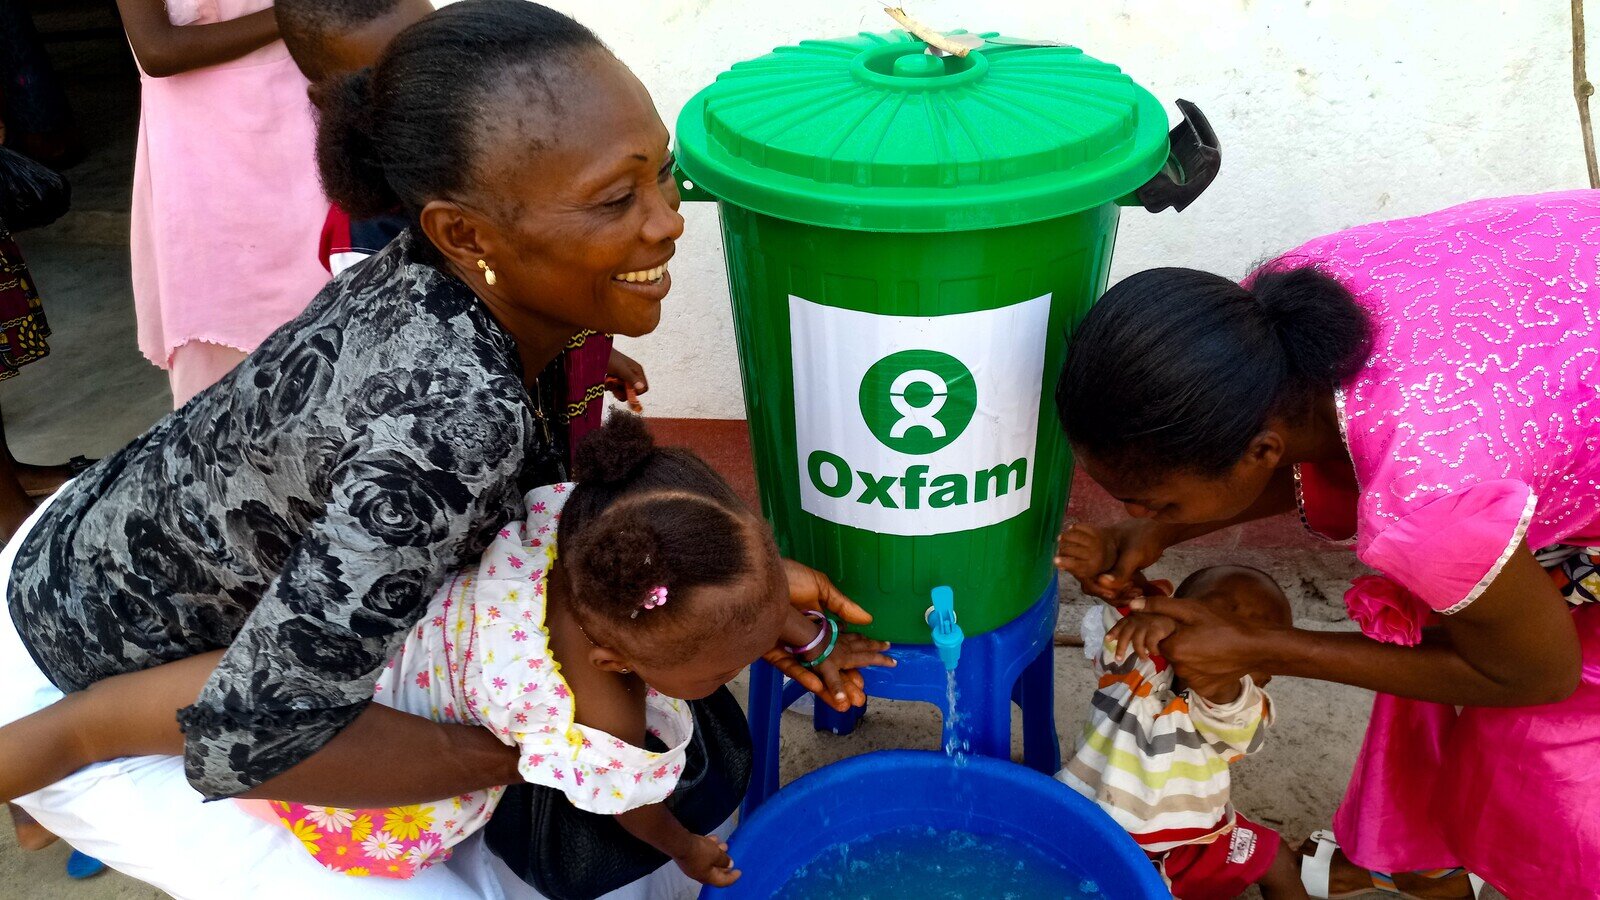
<point x="1156" y="750"/>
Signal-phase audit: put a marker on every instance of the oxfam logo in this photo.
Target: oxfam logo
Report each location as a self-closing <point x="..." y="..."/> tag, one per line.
<point x="918" y="401"/>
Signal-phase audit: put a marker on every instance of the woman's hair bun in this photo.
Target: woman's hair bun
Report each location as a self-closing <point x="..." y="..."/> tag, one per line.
<point x="613" y="454"/>
<point x="348" y="156"/>
<point x="1325" y="334"/>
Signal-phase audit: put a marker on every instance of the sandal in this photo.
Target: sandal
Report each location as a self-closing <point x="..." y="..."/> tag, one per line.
<point x="82" y="865"/>
<point x="1316" y="874"/>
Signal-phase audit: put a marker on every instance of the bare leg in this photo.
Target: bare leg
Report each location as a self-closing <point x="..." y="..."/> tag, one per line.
<point x="1282" y="881"/>
<point x="30" y="834"/>
<point x="129" y="715"/>
<point x="1346" y="877"/>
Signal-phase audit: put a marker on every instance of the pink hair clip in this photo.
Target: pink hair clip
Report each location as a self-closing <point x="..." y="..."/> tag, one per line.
<point x="656" y="598"/>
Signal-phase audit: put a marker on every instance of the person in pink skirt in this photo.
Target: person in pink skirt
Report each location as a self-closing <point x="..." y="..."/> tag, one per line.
<point x="226" y="204"/>
<point x="1429" y="388"/>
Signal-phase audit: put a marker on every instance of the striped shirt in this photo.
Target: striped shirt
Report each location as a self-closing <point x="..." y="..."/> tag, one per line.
<point x="1156" y="758"/>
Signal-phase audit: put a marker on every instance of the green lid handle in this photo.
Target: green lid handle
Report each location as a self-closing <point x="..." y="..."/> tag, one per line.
<point x="919" y="65"/>
<point x="688" y="190"/>
<point x="1193" y="160"/>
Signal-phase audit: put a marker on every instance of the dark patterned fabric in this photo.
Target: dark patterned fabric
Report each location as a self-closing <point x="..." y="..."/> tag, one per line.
<point x="23" y="329"/>
<point x="300" y="513"/>
<point x="586" y="359"/>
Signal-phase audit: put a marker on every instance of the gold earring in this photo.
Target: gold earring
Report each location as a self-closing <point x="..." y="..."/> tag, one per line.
<point x="488" y="273"/>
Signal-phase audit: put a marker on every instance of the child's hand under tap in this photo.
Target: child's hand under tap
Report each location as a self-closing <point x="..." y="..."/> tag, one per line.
<point x="812" y="590"/>
<point x="842" y="685"/>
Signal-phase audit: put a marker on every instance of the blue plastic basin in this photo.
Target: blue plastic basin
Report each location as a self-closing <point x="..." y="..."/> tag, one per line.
<point x="850" y="801"/>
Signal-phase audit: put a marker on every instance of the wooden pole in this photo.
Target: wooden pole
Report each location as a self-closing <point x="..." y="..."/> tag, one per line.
<point x="1582" y="90"/>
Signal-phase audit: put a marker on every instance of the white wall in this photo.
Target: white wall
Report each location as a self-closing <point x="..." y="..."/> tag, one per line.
<point x="1330" y="113"/>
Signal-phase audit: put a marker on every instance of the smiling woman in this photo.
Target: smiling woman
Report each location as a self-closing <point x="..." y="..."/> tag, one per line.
<point x="299" y="514"/>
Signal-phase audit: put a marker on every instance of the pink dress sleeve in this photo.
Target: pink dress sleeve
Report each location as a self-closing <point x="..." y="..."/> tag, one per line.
<point x="1449" y="551"/>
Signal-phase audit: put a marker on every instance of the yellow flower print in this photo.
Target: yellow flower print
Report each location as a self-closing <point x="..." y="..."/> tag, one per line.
<point x="407" y="822"/>
<point x="362" y="829"/>
<point x="358" y="871"/>
<point x="307" y="834"/>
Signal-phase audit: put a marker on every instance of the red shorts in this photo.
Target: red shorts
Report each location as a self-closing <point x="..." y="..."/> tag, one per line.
<point x="1224" y="868"/>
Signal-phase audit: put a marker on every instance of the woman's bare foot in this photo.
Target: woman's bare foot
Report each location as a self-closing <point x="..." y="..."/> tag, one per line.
<point x="1346" y="878"/>
<point x="30" y="834"/>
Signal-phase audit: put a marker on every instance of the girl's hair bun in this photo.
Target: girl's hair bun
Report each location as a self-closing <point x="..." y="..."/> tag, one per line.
<point x="612" y="454"/>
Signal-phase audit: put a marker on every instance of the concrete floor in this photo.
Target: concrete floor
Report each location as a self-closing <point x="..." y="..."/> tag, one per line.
<point x="95" y="392"/>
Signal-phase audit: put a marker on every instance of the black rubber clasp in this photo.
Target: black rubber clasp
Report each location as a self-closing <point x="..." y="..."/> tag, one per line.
<point x="1193" y="160"/>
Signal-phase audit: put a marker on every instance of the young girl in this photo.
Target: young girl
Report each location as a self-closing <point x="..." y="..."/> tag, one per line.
<point x="225" y="195"/>
<point x="666" y="586"/>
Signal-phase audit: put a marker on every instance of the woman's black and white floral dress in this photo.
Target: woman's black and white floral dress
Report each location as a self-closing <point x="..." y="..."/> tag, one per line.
<point x="300" y="513"/>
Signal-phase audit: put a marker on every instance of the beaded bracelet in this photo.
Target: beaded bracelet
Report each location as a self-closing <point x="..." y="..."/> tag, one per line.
<point x="821" y="633"/>
<point x="833" y="630"/>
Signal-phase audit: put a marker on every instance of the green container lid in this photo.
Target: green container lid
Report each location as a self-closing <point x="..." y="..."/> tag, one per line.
<point x="871" y="133"/>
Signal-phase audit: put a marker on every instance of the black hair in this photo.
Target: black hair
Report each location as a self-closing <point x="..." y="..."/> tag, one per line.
<point x="1176" y="370"/>
<point x="1278" y="609"/>
<point x="307" y="25"/>
<point x="412" y="129"/>
<point x="643" y="517"/>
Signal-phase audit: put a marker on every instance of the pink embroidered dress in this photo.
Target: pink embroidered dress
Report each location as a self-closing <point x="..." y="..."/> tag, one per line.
<point x="482" y="655"/>
<point x="1474" y="426"/>
<point x="227" y="210"/>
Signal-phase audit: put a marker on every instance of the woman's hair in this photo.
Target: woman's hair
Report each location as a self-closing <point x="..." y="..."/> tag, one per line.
<point x="1178" y="370"/>
<point x="644" y="517"/>
<point x="412" y="129"/>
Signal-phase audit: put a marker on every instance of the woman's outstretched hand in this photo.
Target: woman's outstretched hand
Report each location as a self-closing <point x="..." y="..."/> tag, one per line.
<point x="812" y="590"/>
<point x="1107" y="560"/>
<point x="625" y="379"/>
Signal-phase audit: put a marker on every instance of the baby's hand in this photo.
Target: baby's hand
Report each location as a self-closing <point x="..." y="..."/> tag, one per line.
<point x="1141" y="633"/>
<point x="708" y="862"/>
<point x="1109" y="562"/>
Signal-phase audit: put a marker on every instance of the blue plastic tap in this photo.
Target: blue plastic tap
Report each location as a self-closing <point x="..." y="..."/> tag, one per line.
<point x="947" y="636"/>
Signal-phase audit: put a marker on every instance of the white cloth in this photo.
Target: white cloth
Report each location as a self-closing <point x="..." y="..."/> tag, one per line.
<point x="140" y="817"/>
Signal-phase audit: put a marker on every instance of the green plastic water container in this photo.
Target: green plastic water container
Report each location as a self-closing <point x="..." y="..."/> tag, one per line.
<point x="910" y="237"/>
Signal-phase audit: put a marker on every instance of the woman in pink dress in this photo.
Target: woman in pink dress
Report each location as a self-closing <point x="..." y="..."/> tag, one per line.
<point x="227" y="211"/>
<point x="1429" y="387"/>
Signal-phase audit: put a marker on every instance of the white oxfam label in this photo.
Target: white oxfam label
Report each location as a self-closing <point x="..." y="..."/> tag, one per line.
<point x="917" y="425"/>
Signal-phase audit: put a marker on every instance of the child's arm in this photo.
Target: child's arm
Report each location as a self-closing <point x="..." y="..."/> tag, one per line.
<point x="701" y="857"/>
<point x="164" y="49"/>
<point x="615" y="705"/>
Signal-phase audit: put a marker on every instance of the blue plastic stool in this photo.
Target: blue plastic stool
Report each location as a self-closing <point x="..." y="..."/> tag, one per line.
<point x="1012" y="664"/>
